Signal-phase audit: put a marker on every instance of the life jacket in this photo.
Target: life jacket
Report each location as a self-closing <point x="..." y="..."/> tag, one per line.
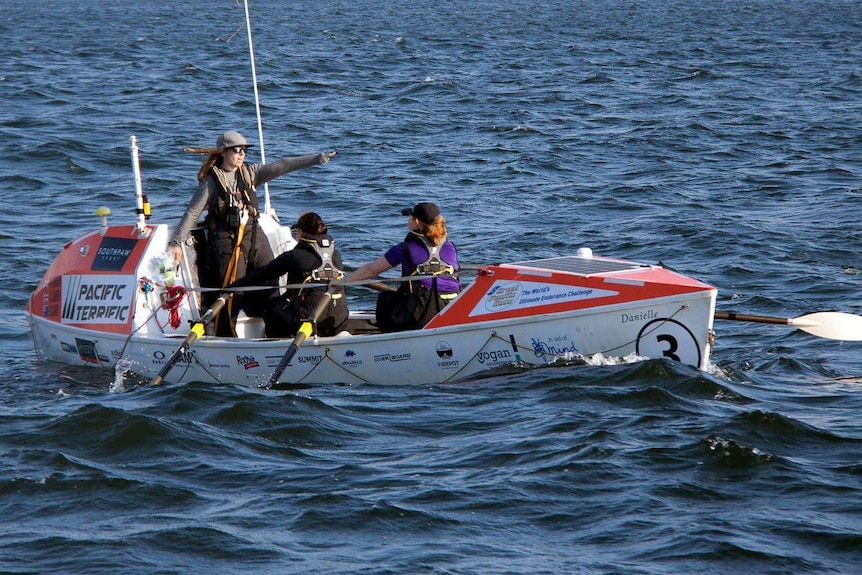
<point x="293" y="307"/>
<point x="412" y="307"/>
<point x="225" y="209"/>
<point x="324" y="247"/>
<point x="433" y="264"/>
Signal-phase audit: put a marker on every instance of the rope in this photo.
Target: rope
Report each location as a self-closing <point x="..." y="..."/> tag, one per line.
<point x="174" y="299"/>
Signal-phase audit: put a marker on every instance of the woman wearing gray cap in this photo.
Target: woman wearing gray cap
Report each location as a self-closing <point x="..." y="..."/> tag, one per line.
<point x="425" y="251"/>
<point x="226" y="189"/>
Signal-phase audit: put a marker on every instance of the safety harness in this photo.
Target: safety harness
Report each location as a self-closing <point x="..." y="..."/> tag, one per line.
<point x="324" y="248"/>
<point x="433" y="264"/>
<point x="233" y="213"/>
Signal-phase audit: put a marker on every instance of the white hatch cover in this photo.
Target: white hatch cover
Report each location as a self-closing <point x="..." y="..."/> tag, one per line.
<point x="581" y="266"/>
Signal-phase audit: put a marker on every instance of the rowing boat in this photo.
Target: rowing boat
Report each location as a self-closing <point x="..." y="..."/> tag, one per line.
<point x="111" y="299"/>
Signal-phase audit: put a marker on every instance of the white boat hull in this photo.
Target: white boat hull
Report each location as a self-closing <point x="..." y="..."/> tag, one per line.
<point x="91" y="310"/>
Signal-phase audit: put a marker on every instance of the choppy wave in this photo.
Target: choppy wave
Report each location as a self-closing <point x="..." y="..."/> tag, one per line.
<point x="717" y="138"/>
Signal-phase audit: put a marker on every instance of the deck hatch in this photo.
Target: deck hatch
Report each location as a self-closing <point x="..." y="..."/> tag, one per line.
<point x="581" y="266"/>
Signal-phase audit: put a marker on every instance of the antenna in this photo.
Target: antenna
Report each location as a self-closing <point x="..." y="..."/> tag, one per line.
<point x="267" y="207"/>
<point x="142" y="207"/>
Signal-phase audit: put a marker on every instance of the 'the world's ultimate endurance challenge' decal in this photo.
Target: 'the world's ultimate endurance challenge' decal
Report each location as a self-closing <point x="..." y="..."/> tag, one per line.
<point x="511" y="295"/>
<point x="102" y="299"/>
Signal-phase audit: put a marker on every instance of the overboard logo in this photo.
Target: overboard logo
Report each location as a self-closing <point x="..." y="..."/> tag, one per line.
<point x="103" y="299"/>
<point x="510" y="296"/>
<point x="392" y="357"/>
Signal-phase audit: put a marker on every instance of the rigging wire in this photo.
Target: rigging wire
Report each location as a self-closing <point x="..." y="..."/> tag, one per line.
<point x="267" y="207"/>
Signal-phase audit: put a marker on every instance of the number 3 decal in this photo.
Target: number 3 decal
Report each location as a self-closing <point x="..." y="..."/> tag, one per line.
<point x="668" y="338"/>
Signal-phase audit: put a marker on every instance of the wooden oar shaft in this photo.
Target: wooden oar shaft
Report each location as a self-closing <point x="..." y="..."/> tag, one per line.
<point x="197" y="330"/>
<point x="753" y="318"/>
<point x="301" y="335"/>
<point x="829" y="324"/>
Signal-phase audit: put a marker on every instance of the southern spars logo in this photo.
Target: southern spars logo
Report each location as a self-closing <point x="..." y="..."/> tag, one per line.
<point x="512" y="296"/>
<point x="501" y="296"/>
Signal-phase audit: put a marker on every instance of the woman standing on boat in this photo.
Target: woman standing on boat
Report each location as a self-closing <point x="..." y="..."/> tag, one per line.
<point x="425" y="251"/>
<point x="314" y="260"/>
<point x="226" y="189"/>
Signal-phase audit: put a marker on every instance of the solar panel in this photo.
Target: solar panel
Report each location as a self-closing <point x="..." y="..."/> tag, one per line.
<point x="581" y="266"/>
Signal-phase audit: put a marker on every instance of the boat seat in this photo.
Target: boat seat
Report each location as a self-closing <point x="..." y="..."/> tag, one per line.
<point x="249" y="327"/>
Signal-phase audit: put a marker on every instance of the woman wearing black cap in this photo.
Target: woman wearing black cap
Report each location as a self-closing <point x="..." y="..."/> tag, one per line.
<point x="314" y="260"/>
<point x="425" y="251"/>
<point x="226" y="189"/>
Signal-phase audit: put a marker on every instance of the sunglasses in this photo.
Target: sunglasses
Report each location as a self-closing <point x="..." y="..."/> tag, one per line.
<point x="238" y="149"/>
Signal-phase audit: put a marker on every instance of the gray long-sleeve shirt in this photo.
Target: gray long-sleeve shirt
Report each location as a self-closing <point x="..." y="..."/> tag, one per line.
<point x="208" y="188"/>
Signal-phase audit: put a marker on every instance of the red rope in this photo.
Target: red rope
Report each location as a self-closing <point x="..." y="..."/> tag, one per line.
<point x="173" y="300"/>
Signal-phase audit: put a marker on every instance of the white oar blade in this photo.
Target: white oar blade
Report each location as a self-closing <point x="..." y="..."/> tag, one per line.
<point x="831" y="325"/>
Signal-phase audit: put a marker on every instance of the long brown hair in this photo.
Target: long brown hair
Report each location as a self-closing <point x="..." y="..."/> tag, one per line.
<point x="214" y="158"/>
<point x="435" y="231"/>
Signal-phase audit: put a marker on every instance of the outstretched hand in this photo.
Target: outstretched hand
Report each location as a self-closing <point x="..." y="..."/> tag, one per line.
<point x="325" y="156"/>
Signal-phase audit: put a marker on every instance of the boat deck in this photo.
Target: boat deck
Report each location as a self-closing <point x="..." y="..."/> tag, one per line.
<point x="581" y="266"/>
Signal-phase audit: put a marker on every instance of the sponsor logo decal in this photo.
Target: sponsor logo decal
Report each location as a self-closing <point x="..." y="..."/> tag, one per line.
<point x="444" y="352"/>
<point x="161" y="358"/>
<point x="89" y="299"/>
<point x="247" y="361"/>
<point x="444" y="349"/>
<point x="350" y="359"/>
<point x="509" y="296"/>
<point x="87" y="351"/>
<point x="501" y="296"/>
<point x="113" y="254"/>
<point x="274" y="360"/>
<point x="312" y="359"/>
<point x="494" y="357"/>
<point x="554" y="347"/>
<point x="392" y="357"/>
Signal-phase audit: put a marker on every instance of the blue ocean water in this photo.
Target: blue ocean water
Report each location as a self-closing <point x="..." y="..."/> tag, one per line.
<point x="720" y="138"/>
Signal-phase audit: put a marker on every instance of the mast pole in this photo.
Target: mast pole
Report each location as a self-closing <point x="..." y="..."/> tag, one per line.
<point x="266" y="202"/>
<point x="141" y="204"/>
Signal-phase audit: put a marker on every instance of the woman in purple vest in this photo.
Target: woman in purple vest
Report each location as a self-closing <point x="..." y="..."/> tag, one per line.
<point x="425" y="252"/>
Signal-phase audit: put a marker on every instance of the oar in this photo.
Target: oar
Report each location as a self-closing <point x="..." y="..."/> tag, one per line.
<point x="198" y="329"/>
<point x="828" y="324"/>
<point x="300" y="337"/>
